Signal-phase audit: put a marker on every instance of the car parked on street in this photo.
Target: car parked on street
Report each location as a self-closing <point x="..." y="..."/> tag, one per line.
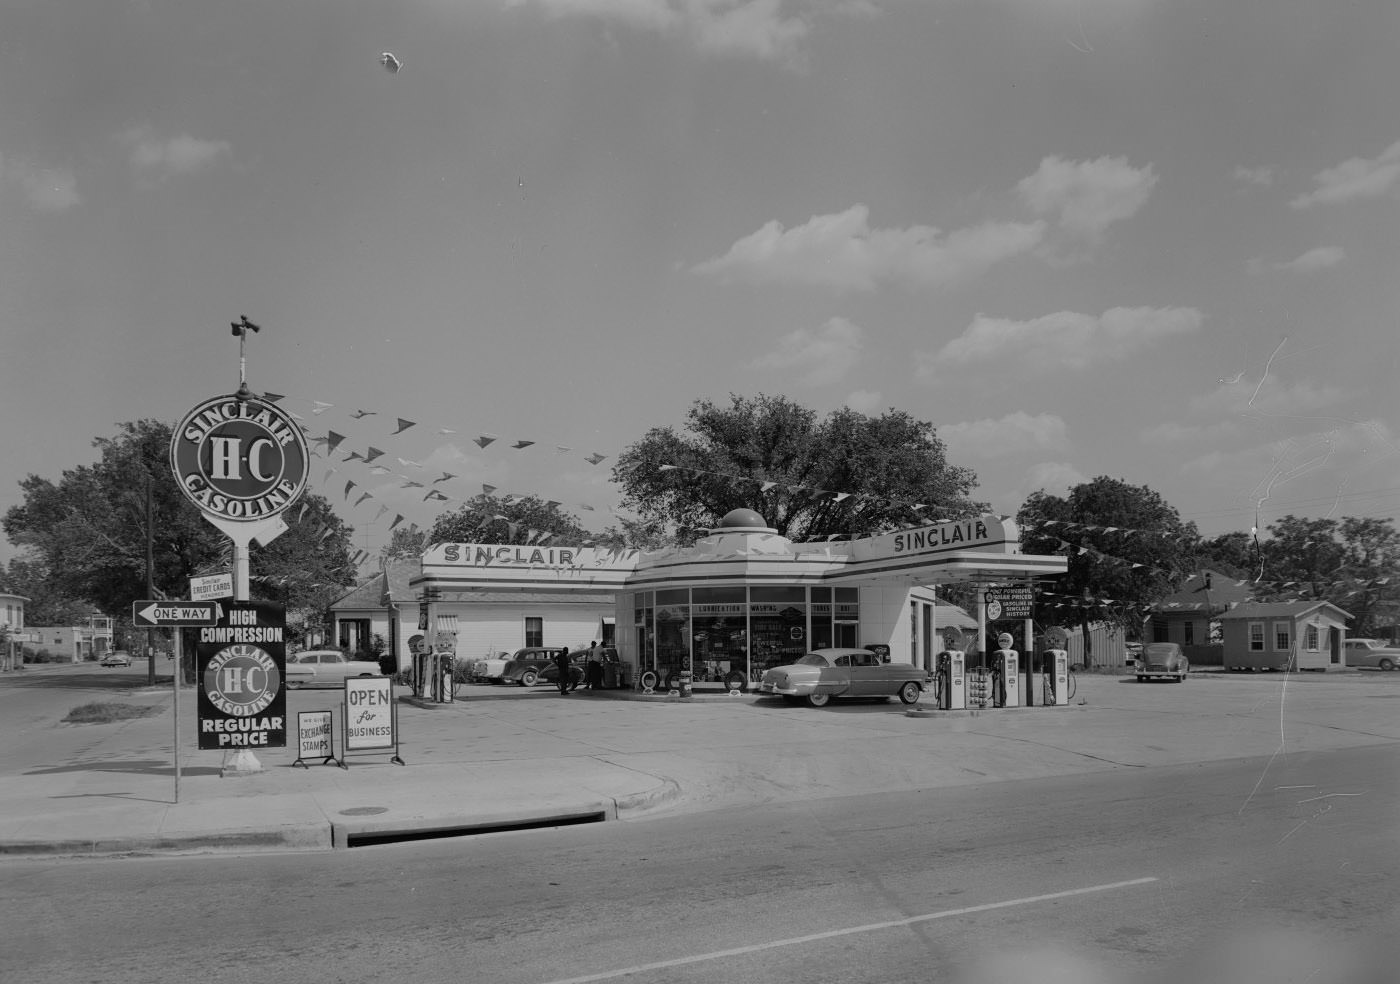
<point x="1372" y="654"/>
<point x="826" y="673"/>
<point x="326" y="668"/>
<point x="491" y="669"/>
<point x="535" y="664"/>
<point x="117" y="657"/>
<point x="1162" y="659"/>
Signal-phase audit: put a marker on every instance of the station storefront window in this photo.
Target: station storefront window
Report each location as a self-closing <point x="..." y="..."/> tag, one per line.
<point x="672" y="632"/>
<point x="719" y="626"/>
<point x="778" y="625"/>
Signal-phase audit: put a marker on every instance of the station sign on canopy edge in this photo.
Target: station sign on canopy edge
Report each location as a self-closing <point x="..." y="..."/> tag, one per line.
<point x="1014" y="601"/>
<point x="240" y="459"/>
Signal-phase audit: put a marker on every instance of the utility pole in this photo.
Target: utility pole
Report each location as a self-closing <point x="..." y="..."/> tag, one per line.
<point x="150" y="576"/>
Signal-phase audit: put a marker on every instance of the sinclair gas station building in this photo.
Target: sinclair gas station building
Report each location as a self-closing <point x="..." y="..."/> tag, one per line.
<point x="737" y="602"/>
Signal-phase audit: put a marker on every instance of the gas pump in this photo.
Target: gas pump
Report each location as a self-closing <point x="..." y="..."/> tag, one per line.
<point x="1006" y="667"/>
<point x="952" y="688"/>
<point x="1056" y="676"/>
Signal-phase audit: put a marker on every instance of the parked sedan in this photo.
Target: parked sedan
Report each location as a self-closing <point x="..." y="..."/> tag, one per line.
<point x="535" y="664"/>
<point x="1373" y="653"/>
<point x="826" y="673"/>
<point x="1162" y="659"/>
<point x="491" y="669"/>
<point x="326" y="668"/>
<point x="116" y="658"/>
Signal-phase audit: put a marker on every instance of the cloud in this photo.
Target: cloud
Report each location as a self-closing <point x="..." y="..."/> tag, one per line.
<point x="1314" y="260"/>
<point x="1016" y="433"/>
<point x="1355" y="178"/>
<point x="868" y="402"/>
<point x="840" y="251"/>
<point x="752" y="28"/>
<point x="1055" y="477"/>
<point x="1270" y="396"/>
<point x="1088" y="196"/>
<point x="1062" y="341"/>
<point x="1172" y="432"/>
<point x="1255" y="175"/>
<point x="164" y="157"/>
<point x="47" y="189"/>
<point x="821" y="356"/>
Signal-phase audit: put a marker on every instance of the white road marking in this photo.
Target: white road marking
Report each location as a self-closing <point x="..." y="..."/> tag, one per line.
<point x="850" y="931"/>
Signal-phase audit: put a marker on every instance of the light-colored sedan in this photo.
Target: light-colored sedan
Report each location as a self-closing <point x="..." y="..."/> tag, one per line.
<point x="1372" y="653"/>
<point x="116" y="658"/>
<point x="326" y="668"/>
<point x="826" y="673"/>
<point x="492" y="668"/>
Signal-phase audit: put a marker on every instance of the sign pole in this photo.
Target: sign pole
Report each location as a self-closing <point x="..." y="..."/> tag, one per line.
<point x="179" y="668"/>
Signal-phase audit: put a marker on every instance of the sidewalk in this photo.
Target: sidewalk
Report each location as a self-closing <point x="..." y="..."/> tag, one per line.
<point x="499" y="757"/>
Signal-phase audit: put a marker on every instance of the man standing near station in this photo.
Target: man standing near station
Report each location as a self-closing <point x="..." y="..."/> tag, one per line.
<point x="561" y="660"/>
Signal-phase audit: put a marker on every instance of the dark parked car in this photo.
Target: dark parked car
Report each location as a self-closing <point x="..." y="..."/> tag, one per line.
<point x="1163" y="659"/>
<point x="531" y="666"/>
<point x="826" y="673"/>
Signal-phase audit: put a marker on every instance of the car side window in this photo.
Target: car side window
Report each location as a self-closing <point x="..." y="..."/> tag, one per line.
<point x="843" y="660"/>
<point x="332" y="658"/>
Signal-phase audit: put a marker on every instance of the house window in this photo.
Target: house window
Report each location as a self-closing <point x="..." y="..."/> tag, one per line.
<point x="1256" y="637"/>
<point x="1283" y="636"/>
<point x="534" y="631"/>
<point x="1311" y="638"/>
<point x="354" y="634"/>
<point x="1159" y="630"/>
<point x="1190" y="637"/>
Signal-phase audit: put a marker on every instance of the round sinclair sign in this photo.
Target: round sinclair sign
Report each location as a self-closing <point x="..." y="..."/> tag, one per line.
<point x="242" y="460"/>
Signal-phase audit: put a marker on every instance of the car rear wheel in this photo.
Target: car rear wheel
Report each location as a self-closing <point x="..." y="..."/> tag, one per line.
<point x="1141" y="678"/>
<point x="529" y="678"/>
<point x="818" y="700"/>
<point x="1386" y="664"/>
<point x="909" y="693"/>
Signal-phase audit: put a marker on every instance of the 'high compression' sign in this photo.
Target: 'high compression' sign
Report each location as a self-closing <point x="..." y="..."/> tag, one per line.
<point x="241" y="664"/>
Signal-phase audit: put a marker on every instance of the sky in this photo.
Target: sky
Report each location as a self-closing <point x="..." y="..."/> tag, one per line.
<point x="1154" y="240"/>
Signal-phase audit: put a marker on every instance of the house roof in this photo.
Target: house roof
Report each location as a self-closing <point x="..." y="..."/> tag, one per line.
<point x="378" y="590"/>
<point x="1206" y="590"/>
<point x="1281" y="609"/>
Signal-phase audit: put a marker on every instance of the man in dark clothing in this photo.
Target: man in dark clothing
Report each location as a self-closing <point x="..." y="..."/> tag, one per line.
<point x="561" y="660"/>
<point x="590" y="668"/>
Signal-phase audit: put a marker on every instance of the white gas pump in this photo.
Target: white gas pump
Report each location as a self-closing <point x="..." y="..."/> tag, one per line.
<point x="953" y="666"/>
<point x="1056" y="672"/>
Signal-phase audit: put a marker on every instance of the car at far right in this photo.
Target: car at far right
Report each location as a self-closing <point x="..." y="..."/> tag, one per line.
<point x="1162" y="659"/>
<point x="1375" y="654"/>
<point x="119" y="657"/>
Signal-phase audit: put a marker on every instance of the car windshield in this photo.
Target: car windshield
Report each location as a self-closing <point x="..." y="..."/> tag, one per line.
<point x="813" y="659"/>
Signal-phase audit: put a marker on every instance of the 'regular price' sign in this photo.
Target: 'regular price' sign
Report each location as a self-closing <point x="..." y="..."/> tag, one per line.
<point x="241" y="664"/>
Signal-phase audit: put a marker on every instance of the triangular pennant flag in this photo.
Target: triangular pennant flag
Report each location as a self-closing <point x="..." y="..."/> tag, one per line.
<point x="329" y="473"/>
<point x="359" y="414"/>
<point x="522" y="444"/>
<point x="434" y="494"/>
<point x="406" y="463"/>
<point x="560" y="449"/>
<point x="318" y="407"/>
<point x="404" y="425"/>
<point x="333" y="440"/>
<point x="594" y="458"/>
<point x="363" y="497"/>
<point x="446" y="430"/>
<point x="380" y="470"/>
<point x="488" y="489"/>
<point x="372" y="453"/>
<point x="352" y="456"/>
<point x="382" y="510"/>
<point x="271" y="397"/>
<point x="411" y="484"/>
<point x="302" y="515"/>
<point x="397" y="520"/>
<point x="445" y="477"/>
<point x="348" y="486"/>
<point x="553" y="504"/>
<point x="483" y="440"/>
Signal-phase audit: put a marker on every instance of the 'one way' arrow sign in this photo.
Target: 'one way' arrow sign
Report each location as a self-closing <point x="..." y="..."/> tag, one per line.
<point x="154" y="614"/>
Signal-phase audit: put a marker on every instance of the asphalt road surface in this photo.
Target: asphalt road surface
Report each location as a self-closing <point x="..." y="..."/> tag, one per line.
<point x="1240" y="871"/>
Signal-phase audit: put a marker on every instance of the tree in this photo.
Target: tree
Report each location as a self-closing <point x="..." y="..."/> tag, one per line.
<point x="1230" y="553"/>
<point x="47" y="604"/>
<point x="405" y="543"/>
<point x="87" y="535"/>
<point x="512" y="519"/>
<point x="808" y="478"/>
<point x="1301" y="556"/>
<point x="1371" y="561"/>
<point x="1126" y="547"/>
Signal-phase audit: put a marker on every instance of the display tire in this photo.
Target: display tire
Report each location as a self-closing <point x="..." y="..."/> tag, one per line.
<point x="734" y="680"/>
<point x="649" y="679"/>
<point x="673" y="680"/>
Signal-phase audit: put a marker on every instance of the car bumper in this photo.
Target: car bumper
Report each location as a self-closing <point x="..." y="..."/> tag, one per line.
<point x="786" y="689"/>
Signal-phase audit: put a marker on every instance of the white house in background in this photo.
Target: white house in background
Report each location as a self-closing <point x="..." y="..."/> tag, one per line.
<point x="73" y="643"/>
<point x="12" y="620"/>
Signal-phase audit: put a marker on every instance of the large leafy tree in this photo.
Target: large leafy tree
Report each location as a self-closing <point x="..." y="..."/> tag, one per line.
<point x="808" y="477"/>
<point x="487" y="518"/>
<point x="1126" y="547"/>
<point x="88" y="534"/>
<point x="1371" y="558"/>
<point x="1353" y="563"/>
<point x="1301" y="554"/>
<point x="1230" y="553"/>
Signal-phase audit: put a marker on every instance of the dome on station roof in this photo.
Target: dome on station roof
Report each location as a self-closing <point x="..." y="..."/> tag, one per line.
<point x="742" y="519"/>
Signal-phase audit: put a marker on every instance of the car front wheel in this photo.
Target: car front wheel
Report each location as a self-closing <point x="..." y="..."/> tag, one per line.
<point x="529" y="678"/>
<point x="818" y="700"/>
<point x="1386" y="664"/>
<point x="909" y="693"/>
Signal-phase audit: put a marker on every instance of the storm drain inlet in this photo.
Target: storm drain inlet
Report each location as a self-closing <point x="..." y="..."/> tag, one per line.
<point x="343" y="837"/>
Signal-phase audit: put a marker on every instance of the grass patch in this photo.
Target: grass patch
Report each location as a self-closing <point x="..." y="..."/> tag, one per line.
<point x="108" y="712"/>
